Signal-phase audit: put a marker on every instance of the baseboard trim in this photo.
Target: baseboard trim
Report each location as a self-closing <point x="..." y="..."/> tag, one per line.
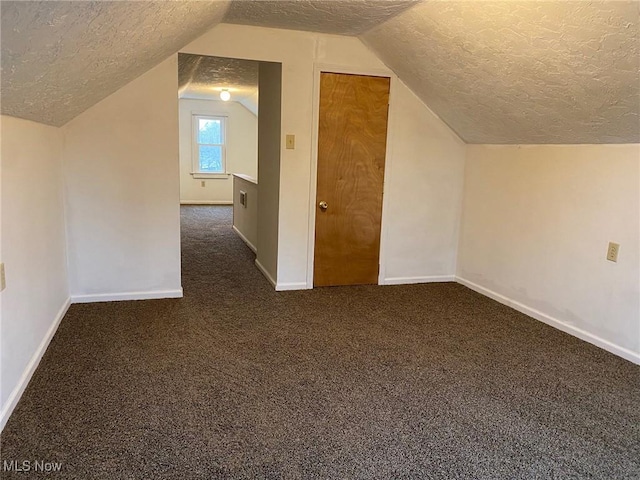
<point x="244" y="239"/>
<point x="265" y="273"/>
<point x="206" y="202"/>
<point x="14" y="398"/>
<point x="409" y="280"/>
<point x="283" y="287"/>
<point x="554" y="322"/>
<point x="123" y="296"/>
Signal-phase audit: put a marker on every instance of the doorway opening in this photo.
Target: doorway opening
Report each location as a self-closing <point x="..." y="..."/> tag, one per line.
<point x="230" y="152"/>
<point x="218" y="122"/>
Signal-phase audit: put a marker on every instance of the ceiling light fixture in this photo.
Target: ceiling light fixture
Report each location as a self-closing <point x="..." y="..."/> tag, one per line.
<point x="225" y="96"/>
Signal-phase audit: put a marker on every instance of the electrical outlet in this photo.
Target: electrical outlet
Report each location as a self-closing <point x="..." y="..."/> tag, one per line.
<point x="612" y="252"/>
<point x="3" y="282"/>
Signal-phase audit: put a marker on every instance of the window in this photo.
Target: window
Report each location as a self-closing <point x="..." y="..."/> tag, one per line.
<point x="209" y="145"/>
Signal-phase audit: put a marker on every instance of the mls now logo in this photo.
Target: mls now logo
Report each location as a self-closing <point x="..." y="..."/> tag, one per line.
<point x="31" y="466"/>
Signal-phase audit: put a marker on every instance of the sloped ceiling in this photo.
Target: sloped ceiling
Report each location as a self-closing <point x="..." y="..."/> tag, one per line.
<point x="60" y="58"/>
<point x="521" y="72"/>
<point x="203" y="77"/>
<point x="341" y="17"/>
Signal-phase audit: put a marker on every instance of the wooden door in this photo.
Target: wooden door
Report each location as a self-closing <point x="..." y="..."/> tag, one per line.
<point x="352" y="138"/>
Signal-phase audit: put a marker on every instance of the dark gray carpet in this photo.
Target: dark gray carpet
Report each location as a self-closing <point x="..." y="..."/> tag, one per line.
<point x="238" y="381"/>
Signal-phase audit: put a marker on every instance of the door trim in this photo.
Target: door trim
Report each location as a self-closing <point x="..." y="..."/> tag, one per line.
<point x="318" y="68"/>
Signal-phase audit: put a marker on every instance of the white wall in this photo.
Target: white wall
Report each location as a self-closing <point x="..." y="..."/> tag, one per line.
<point x="536" y="225"/>
<point x="121" y="162"/>
<point x="418" y="141"/>
<point x="122" y="178"/>
<point x="245" y="217"/>
<point x="242" y="150"/>
<point x="269" y="169"/>
<point x="424" y="194"/>
<point x="33" y="250"/>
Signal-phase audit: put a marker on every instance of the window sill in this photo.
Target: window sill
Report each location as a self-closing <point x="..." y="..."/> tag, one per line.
<point x="210" y="175"/>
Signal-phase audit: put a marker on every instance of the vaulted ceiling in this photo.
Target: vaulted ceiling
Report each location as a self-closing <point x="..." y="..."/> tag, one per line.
<point x="200" y="75"/>
<point x="522" y="71"/>
<point x="60" y="58"/>
<point x="203" y="77"/>
<point x="342" y="17"/>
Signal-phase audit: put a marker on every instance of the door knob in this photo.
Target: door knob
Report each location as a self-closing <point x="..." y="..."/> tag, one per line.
<point x="323" y="205"/>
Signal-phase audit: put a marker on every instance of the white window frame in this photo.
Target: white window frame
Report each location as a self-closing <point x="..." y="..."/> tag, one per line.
<point x="195" y="145"/>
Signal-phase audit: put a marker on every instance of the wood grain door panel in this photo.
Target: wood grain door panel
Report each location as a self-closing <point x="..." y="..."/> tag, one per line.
<point x="352" y="137"/>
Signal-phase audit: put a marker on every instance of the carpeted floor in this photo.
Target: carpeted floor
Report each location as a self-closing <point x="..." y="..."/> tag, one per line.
<point x="238" y="381"/>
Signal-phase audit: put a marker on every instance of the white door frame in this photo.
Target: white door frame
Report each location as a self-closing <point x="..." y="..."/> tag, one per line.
<point x="313" y="187"/>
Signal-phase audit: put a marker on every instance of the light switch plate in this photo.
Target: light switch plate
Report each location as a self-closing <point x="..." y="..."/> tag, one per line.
<point x="612" y="252"/>
<point x="3" y="283"/>
<point x="291" y="142"/>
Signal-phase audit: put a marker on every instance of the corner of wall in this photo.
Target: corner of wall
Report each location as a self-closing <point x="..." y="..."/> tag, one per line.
<point x="131" y="129"/>
<point x="554" y="267"/>
<point x="460" y="226"/>
<point x="16" y="394"/>
<point x="65" y="206"/>
<point x="37" y="294"/>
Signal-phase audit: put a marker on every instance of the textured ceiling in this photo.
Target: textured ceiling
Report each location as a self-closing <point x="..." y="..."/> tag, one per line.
<point x="342" y="17"/>
<point x="514" y="71"/>
<point x="521" y="72"/>
<point x="60" y="58"/>
<point x="204" y="77"/>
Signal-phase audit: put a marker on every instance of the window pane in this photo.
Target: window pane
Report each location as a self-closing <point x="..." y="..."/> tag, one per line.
<point x="211" y="159"/>
<point x="209" y="131"/>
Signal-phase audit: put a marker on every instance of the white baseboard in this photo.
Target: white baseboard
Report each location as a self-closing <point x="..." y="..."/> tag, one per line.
<point x="115" y="297"/>
<point x="265" y="273"/>
<point x="245" y="239"/>
<point x="408" y="280"/>
<point x="13" y="399"/>
<point x="206" y="202"/>
<point x="554" y="322"/>
<point x="282" y="287"/>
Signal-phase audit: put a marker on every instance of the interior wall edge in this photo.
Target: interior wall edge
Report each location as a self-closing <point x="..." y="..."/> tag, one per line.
<point x="266" y="273"/>
<point x="31" y="367"/>
<point x="244" y="239"/>
<point x="574" y="331"/>
<point x="126" y="296"/>
<point x="285" y="287"/>
<point x="411" y="280"/>
<point x="206" y="202"/>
